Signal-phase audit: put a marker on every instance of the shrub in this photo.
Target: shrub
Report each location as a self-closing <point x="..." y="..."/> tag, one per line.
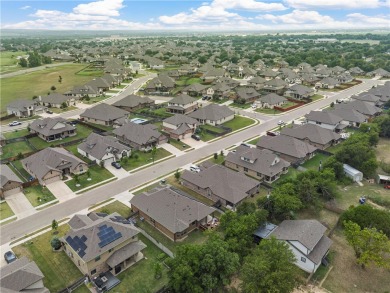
<point x="55" y="243"/>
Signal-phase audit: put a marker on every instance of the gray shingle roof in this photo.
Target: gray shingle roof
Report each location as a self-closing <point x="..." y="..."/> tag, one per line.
<point x="21" y="104"/>
<point x="323" y="117"/>
<point x="132" y="101"/>
<point x="171" y="209"/>
<point x="54" y="98"/>
<point x="360" y="106"/>
<point x="349" y="115"/>
<point x="272" y="99"/>
<point x="140" y="134"/>
<point x="313" y="133"/>
<point x="125" y="252"/>
<point x="49" y="126"/>
<point x="212" y="112"/>
<point x="179" y="119"/>
<point x="182" y="99"/>
<point x="6" y="174"/>
<point x="104" y="112"/>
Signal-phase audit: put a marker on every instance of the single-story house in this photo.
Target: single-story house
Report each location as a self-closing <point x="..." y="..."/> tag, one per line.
<point x="270" y="101"/>
<point x="247" y="94"/>
<point x="101" y="148"/>
<point x="172" y="213"/>
<point x="56" y="100"/>
<point x="134" y="102"/>
<point x="213" y="74"/>
<point x="300" y="92"/>
<point x="10" y="182"/>
<point x="213" y="114"/>
<point x="260" y="164"/>
<point x="379" y="72"/>
<point x="364" y="108"/>
<point x="195" y="89"/>
<point x="22" y="275"/>
<point x="139" y="137"/>
<point x="257" y="82"/>
<point x="317" y="136"/>
<point x="82" y="91"/>
<point x="101" y="243"/>
<point x="356" y="71"/>
<point x="48" y="165"/>
<point x="182" y="104"/>
<point x="288" y="148"/>
<point x="180" y="126"/>
<point x="50" y="129"/>
<point x="277" y="86"/>
<point x="25" y="108"/>
<point x="160" y="85"/>
<point x="306" y="239"/>
<point x="103" y="114"/>
<point x="327" y="83"/>
<point x="325" y="119"/>
<point x="221" y="185"/>
<point x="349" y="117"/>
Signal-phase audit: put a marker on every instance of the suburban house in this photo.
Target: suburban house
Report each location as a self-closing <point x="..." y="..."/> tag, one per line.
<point x="270" y="101"/>
<point x="103" y="114"/>
<point x="48" y="165"/>
<point x="22" y="275"/>
<point x="195" y="89"/>
<point x="105" y="149"/>
<point x="213" y="114"/>
<point x="171" y="212"/>
<point x="182" y="104"/>
<point x="325" y="119"/>
<point x="247" y="94"/>
<point x="25" y="108"/>
<point x="260" y="164"/>
<point x="349" y="117"/>
<point x="268" y="74"/>
<point x="327" y="83"/>
<point x="344" y="78"/>
<point x="10" y="182"/>
<point x="300" y="92"/>
<point x="100" y="85"/>
<point x="288" y="148"/>
<point x="277" y="86"/>
<point x="307" y="240"/>
<point x="82" y="91"/>
<point x="257" y="82"/>
<point x="139" y="137"/>
<point x="317" y="136"/>
<point x="356" y="71"/>
<point x="368" y="98"/>
<point x="219" y="90"/>
<point x="364" y="108"/>
<point x="101" y="243"/>
<point x="160" y="85"/>
<point x="213" y="74"/>
<point x="379" y="72"/>
<point x="50" y="129"/>
<point x="179" y="126"/>
<point x="221" y="185"/>
<point x="133" y="102"/>
<point x="56" y="100"/>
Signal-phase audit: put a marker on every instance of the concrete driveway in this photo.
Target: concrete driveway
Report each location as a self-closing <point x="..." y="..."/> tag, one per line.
<point x="20" y="205"/>
<point x="120" y="173"/>
<point x="61" y="191"/>
<point x="170" y="148"/>
<point x="194" y="143"/>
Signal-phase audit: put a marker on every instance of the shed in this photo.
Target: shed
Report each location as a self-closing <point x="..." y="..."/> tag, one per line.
<point x="352" y="173"/>
<point x="263" y="231"/>
<point x="383" y="179"/>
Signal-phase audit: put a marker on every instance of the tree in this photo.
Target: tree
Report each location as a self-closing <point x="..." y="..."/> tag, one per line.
<point x="55" y="243"/>
<point x="77" y="178"/>
<point x="199" y="268"/>
<point x="215" y="156"/>
<point x="370" y="245"/>
<point x="64" y="105"/>
<point x="270" y="268"/>
<point x="60" y="79"/>
<point x="177" y="175"/>
<point x="34" y="59"/>
<point x="384" y="124"/>
<point x="23" y="62"/>
<point x="53" y="88"/>
<point x="54" y="225"/>
<point x="154" y="152"/>
<point x="157" y="270"/>
<point x="246" y="208"/>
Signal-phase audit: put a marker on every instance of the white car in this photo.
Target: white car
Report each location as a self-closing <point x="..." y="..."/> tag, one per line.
<point x="15" y="123"/>
<point x="194" y="168"/>
<point x="281" y="122"/>
<point x="254" y="106"/>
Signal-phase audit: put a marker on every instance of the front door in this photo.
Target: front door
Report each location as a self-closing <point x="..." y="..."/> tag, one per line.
<point x="118" y="269"/>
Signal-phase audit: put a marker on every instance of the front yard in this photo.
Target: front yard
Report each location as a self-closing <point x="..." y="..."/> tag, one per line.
<point x="38" y="195"/>
<point x="239" y="122"/>
<point x="139" y="159"/>
<point x="268" y="111"/>
<point x="97" y="175"/>
<point x="58" y="269"/>
<point x="5" y="211"/>
<point x="179" y="144"/>
<point x="115" y="206"/>
<point x="241" y="106"/>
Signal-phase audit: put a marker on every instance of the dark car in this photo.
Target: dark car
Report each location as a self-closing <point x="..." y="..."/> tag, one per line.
<point x="204" y="98"/>
<point x="10" y="257"/>
<point x="116" y="165"/>
<point x="387" y="186"/>
<point x="49" y="112"/>
<point x="196" y="137"/>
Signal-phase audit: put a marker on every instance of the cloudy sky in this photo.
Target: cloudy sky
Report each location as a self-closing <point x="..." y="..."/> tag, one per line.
<point x="195" y="15"/>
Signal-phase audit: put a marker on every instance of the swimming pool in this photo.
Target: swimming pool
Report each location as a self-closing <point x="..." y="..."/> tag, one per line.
<point x="138" y="120"/>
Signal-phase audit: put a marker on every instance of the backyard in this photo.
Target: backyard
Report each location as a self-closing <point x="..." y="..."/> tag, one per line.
<point x="5" y="211"/>
<point x="58" y="269"/>
<point x="314" y="163"/>
<point x="39" y="83"/>
<point x="13" y="149"/>
<point x="185" y="80"/>
<point x="38" y="195"/>
<point x="139" y="159"/>
<point x="97" y="175"/>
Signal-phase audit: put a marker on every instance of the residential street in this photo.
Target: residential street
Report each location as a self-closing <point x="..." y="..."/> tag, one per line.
<point x="23" y="226"/>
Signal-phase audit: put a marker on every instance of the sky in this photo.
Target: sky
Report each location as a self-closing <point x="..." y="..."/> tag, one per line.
<point x="213" y="15"/>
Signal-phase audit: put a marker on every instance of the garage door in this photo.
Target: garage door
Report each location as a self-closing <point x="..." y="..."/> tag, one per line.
<point x="12" y="191"/>
<point x="52" y="179"/>
<point x="109" y="160"/>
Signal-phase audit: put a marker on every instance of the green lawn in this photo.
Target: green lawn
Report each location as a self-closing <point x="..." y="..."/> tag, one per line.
<point x="38" y="195"/>
<point x="316" y="97"/>
<point x="179" y="144"/>
<point x="185" y="80"/>
<point x="144" y="158"/>
<point x="115" y="206"/>
<point x="219" y="101"/>
<point x="13" y="149"/>
<point x="5" y="211"/>
<point x="73" y="150"/>
<point x="8" y="61"/>
<point x="81" y="130"/>
<point x="292" y="173"/>
<point x="57" y="267"/>
<point x="162" y="112"/>
<point x="212" y="128"/>
<point x="89" y="71"/>
<point x="98" y="174"/>
<point x="205" y="136"/>
<point x="288" y="104"/>
<point x="253" y="141"/>
<point x="238" y="122"/>
<point x="268" y="111"/>
<point x="16" y="133"/>
<point x="19" y="167"/>
<point x="39" y="82"/>
<point x="241" y="106"/>
<point x="314" y="163"/>
<point x="102" y="127"/>
<point x="140" y="277"/>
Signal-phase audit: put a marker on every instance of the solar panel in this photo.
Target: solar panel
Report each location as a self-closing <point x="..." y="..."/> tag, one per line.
<point x="81" y="253"/>
<point x="83" y="238"/>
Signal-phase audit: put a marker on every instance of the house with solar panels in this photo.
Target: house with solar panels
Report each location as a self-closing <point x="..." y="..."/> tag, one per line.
<point x="102" y="246"/>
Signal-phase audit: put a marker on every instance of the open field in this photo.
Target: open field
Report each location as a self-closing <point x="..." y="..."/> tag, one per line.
<point x="383" y="150"/>
<point x="5" y="211"/>
<point x="8" y="61"/>
<point x="97" y="174"/>
<point x="57" y="267"/>
<point x="39" y="83"/>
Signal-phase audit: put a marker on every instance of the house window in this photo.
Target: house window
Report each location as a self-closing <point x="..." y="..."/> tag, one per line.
<point x="111" y="249"/>
<point x="303" y="259"/>
<point x="319" y="123"/>
<point x="97" y="258"/>
<point x="245" y="169"/>
<point x="258" y="174"/>
<point x="93" y="272"/>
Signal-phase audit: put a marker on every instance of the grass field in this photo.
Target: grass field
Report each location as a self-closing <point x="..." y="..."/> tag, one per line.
<point x="16" y="133"/>
<point x="383" y="150"/>
<point x="8" y="61"/>
<point x="239" y="122"/>
<point x="144" y="158"/>
<point x="5" y="211"/>
<point x="98" y="174"/>
<point x="185" y="80"/>
<point x="37" y="195"/>
<point x="115" y="206"/>
<point x="13" y="149"/>
<point x="40" y="82"/>
<point x="58" y="269"/>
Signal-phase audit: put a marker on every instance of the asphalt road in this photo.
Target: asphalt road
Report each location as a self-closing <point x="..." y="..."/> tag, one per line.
<point x="43" y="218"/>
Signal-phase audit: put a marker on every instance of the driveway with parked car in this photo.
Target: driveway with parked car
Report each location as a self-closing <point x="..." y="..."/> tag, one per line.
<point x="117" y="172"/>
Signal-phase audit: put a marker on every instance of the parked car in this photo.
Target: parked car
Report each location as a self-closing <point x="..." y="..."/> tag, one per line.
<point x="15" y="123"/>
<point x="387" y="186"/>
<point x="194" y="168"/>
<point x="196" y="137"/>
<point x="116" y="165"/>
<point x="209" y="98"/>
<point x="281" y="122"/>
<point x="204" y="98"/>
<point x="254" y="106"/>
<point x="49" y="112"/>
<point x="246" y="145"/>
<point x="10" y="256"/>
